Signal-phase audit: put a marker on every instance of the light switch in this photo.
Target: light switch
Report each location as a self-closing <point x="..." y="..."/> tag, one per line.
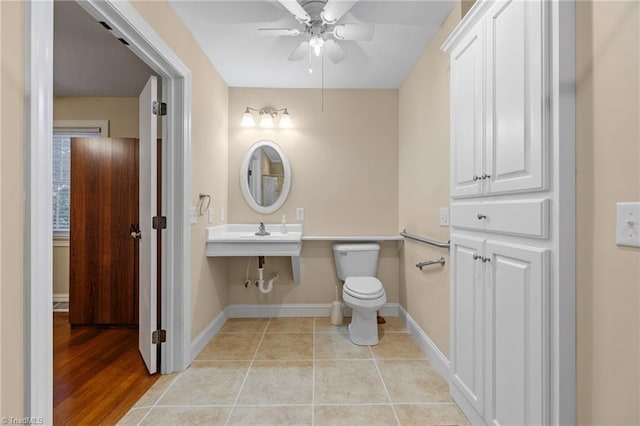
<point x="628" y="224"/>
<point x="193" y="215"/>
<point x="210" y="212"/>
<point x="444" y="216"/>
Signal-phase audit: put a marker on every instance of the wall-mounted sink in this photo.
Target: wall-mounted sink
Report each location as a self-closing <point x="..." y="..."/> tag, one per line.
<point x="241" y="240"/>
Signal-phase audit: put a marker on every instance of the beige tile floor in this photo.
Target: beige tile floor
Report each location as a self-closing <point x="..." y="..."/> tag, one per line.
<point x="301" y="371"/>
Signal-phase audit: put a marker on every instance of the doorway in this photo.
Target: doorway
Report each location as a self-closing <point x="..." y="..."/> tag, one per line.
<point x="126" y="23"/>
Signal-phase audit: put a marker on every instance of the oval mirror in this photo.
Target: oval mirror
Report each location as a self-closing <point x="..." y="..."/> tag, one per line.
<point x="265" y="177"/>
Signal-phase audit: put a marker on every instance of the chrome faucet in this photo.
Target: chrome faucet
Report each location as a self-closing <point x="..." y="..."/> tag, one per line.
<point x="262" y="231"/>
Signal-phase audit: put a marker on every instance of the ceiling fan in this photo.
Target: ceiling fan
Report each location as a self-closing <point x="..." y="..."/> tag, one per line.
<point x="321" y="30"/>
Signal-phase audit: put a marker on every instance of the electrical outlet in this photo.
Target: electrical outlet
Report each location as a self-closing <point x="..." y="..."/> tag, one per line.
<point x="210" y="213"/>
<point x="444" y="216"/>
<point x="193" y="215"/>
<point x="300" y="213"/>
<point x="628" y="224"/>
<point x="221" y="214"/>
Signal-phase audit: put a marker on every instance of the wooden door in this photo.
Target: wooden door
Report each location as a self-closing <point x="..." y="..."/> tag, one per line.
<point x="516" y="137"/>
<point x="467" y="319"/>
<point x="467" y="119"/>
<point x="517" y="333"/>
<point x="103" y="270"/>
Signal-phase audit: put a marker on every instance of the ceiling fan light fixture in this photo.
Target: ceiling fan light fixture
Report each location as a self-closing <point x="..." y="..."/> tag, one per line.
<point x="247" y="119"/>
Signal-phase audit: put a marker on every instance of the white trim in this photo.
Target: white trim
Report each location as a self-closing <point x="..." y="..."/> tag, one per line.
<point x="83" y="124"/>
<point x="437" y="358"/>
<point x="61" y="241"/>
<point x="176" y="288"/>
<point x="38" y="262"/>
<point x="207" y="334"/>
<point x="60" y="297"/>
<point x="127" y="23"/>
<point x="293" y="310"/>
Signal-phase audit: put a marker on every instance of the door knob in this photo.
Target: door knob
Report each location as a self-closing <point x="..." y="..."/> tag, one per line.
<point x="485" y="176"/>
<point x="481" y="216"/>
<point x="476" y="257"/>
<point x="476" y="177"/>
<point x="134" y="231"/>
<point x="486" y="259"/>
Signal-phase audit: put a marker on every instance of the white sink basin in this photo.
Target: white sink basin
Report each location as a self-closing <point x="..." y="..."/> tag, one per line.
<point x="241" y="240"/>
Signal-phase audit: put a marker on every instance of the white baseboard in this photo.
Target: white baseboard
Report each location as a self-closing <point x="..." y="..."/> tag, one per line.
<point x="295" y="310"/>
<point x="437" y="358"/>
<point x="199" y="343"/>
<point x="60" y="297"/>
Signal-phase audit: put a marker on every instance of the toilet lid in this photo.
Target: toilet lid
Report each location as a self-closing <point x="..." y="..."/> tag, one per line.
<point x="364" y="287"/>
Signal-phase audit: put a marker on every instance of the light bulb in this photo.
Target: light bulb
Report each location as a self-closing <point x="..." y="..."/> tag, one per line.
<point x="316" y="43"/>
<point x="285" y="120"/>
<point x="247" y="119"/>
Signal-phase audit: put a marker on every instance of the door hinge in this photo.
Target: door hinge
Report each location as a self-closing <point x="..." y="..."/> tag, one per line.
<point x="159" y="108"/>
<point x="159" y="336"/>
<point x="159" y="222"/>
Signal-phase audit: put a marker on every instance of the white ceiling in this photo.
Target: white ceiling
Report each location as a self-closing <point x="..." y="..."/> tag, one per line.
<point x="228" y="33"/>
<point x="88" y="60"/>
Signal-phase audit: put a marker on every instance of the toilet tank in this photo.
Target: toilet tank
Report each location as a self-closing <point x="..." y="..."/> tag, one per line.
<point x="356" y="260"/>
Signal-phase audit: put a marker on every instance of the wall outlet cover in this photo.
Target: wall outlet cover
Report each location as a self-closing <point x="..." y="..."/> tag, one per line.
<point x="193" y="215"/>
<point x="444" y="216"/>
<point x="210" y="213"/>
<point x="300" y="213"/>
<point x="628" y="224"/>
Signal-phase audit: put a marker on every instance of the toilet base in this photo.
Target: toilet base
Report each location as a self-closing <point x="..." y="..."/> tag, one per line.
<point x="363" y="329"/>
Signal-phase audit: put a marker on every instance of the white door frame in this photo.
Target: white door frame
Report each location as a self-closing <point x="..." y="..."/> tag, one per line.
<point x="127" y="23"/>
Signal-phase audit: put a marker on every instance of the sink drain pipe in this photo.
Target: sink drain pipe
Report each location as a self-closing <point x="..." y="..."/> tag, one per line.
<point x="260" y="283"/>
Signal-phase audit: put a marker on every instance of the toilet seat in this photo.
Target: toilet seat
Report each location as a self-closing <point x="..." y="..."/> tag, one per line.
<point x="365" y="288"/>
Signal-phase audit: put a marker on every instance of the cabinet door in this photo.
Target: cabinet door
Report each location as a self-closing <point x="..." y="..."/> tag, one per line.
<point x="516" y="142"/>
<point x="467" y="117"/>
<point x="467" y="318"/>
<point x="517" y="334"/>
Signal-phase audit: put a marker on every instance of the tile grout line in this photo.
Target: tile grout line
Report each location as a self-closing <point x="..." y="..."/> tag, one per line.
<point x="244" y="380"/>
<point x="155" y="404"/>
<point x="384" y="385"/>
<point x="313" y="375"/>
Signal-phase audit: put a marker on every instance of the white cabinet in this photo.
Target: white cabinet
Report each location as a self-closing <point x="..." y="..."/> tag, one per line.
<point x="500" y="276"/>
<point x="467" y="314"/>
<point x="499" y="306"/>
<point x="467" y="120"/>
<point x="517" y="308"/>
<point x="498" y="136"/>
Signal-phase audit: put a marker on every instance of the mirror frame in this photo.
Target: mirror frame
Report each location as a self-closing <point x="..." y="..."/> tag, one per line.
<point x="244" y="178"/>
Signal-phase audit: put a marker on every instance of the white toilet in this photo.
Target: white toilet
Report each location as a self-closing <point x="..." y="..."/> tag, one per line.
<point x="357" y="265"/>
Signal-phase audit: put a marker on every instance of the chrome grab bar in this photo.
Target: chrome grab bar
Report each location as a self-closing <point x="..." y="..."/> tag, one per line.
<point x="405" y="234"/>
<point x="421" y="265"/>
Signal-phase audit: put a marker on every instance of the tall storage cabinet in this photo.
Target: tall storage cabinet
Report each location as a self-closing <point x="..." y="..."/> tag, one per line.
<point x="501" y="213"/>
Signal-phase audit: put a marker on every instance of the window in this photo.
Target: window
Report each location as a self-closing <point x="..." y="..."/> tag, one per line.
<point x="61" y="184"/>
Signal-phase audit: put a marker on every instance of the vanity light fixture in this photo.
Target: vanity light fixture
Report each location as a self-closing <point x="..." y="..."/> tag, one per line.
<point x="267" y="118"/>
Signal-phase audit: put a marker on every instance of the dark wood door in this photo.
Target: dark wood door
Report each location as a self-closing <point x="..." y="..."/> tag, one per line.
<point x="103" y="270"/>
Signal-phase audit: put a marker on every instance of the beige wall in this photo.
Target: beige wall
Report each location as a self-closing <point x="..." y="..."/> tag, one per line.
<point x="608" y="171"/>
<point x="345" y="175"/>
<point x="12" y="213"/>
<point x="424" y="185"/>
<point x="209" y="137"/>
<point x="122" y="114"/>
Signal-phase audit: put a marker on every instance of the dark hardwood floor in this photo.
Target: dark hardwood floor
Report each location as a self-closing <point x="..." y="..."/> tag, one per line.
<point x="98" y="374"/>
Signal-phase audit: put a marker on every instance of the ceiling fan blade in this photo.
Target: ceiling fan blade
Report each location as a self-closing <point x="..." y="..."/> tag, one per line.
<point x="336" y="9"/>
<point x="334" y="51"/>
<point x="359" y="32"/>
<point x="296" y="10"/>
<point x="301" y="51"/>
<point x="281" y="31"/>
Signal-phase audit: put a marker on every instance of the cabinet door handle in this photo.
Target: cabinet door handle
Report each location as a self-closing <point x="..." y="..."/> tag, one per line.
<point x="485" y="176"/>
<point x="485" y="259"/>
<point x="476" y="257"/>
<point x="476" y="178"/>
<point x="481" y="216"/>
